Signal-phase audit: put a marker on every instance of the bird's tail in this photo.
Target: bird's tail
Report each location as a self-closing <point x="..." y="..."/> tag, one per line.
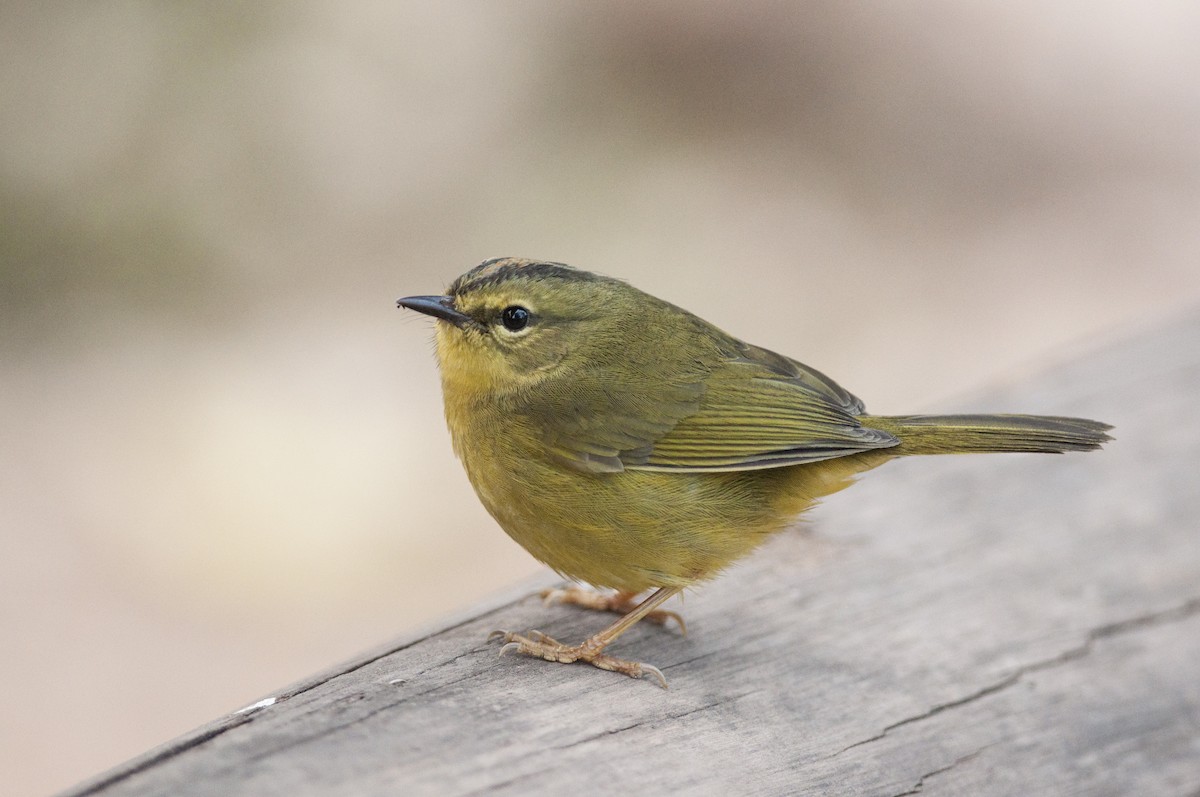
<point x="966" y="434"/>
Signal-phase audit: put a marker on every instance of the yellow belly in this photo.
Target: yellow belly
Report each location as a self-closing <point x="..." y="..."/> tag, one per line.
<point x="637" y="530"/>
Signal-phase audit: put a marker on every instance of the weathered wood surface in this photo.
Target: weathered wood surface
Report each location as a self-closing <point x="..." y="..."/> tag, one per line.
<point x="1011" y="624"/>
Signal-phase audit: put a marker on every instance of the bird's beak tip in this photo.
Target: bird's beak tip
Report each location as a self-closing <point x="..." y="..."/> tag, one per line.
<point x="437" y="306"/>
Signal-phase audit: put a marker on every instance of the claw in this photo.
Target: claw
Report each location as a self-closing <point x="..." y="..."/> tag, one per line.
<point x="650" y="669"/>
<point x="661" y="617"/>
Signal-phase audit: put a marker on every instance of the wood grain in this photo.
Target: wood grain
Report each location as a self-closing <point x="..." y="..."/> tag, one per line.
<point x="1012" y="624"/>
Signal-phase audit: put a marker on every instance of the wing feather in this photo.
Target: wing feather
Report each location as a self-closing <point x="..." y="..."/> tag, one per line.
<point x="753" y="417"/>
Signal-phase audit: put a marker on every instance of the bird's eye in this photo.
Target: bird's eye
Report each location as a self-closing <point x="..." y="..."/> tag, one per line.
<point x="514" y="317"/>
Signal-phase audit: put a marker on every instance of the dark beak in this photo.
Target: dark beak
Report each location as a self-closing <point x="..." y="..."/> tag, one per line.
<point x="437" y="306"/>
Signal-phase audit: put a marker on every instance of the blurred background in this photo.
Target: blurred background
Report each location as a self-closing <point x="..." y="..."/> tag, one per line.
<point x="223" y="465"/>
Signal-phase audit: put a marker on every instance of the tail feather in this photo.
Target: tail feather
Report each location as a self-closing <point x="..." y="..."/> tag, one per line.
<point x="964" y="434"/>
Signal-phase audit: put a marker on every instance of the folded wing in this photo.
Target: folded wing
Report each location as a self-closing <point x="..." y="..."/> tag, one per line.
<point x="744" y="408"/>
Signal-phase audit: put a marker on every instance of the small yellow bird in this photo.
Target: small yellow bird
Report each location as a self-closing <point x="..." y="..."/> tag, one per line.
<point x="631" y="445"/>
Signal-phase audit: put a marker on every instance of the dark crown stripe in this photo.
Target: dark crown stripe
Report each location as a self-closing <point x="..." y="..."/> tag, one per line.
<point x="501" y="269"/>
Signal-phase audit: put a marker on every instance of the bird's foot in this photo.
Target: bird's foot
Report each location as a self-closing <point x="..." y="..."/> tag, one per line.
<point x="616" y="602"/>
<point x="538" y="645"/>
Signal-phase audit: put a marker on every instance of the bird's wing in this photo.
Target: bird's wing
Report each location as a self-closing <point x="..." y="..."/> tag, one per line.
<point x="762" y="410"/>
<point x="745" y="409"/>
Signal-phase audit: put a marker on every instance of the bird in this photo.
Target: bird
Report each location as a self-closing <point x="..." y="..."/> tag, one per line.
<point x="633" y="446"/>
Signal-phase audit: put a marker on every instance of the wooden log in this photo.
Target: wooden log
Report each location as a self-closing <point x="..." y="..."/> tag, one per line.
<point x="1013" y="624"/>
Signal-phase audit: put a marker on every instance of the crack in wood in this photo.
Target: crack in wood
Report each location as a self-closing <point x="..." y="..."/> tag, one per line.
<point x="408" y="679"/>
<point x="1108" y="630"/>
<point x="919" y="786"/>
<point x="168" y="752"/>
<point x="324" y="732"/>
<point x="209" y="736"/>
<point x="648" y="723"/>
<point x="698" y="657"/>
<point x="493" y="788"/>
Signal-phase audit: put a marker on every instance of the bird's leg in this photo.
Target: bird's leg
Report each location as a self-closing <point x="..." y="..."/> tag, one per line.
<point x="591" y="650"/>
<point x="617" y="602"/>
